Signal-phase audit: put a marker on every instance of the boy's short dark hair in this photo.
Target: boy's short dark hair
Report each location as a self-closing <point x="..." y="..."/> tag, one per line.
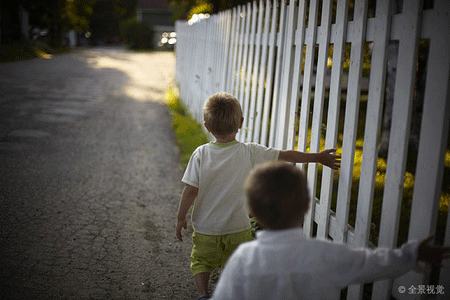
<point x="278" y="195"/>
<point x="222" y="114"/>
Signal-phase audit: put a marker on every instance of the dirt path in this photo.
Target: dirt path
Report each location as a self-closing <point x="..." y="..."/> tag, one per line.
<point x="90" y="179"/>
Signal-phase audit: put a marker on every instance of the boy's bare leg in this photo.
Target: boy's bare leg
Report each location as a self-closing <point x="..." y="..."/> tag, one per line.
<point x="201" y="282"/>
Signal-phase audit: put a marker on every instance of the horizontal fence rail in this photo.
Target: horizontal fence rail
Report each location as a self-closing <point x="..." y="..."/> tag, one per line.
<point x="317" y="74"/>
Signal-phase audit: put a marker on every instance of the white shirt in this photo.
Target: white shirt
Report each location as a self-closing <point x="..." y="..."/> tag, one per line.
<point x="286" y="265"/>
<point x="219" y="171"/>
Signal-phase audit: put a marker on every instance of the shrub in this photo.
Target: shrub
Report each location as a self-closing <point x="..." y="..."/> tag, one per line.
<point x="136" y="35"/>
<point x="24" y="49"/>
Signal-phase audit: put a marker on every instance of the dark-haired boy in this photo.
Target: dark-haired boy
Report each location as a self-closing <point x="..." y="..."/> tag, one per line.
<point x="284" y="264"/>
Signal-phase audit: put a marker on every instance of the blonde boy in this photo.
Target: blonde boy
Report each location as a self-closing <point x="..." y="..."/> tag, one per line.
<point x="214" y="181"/>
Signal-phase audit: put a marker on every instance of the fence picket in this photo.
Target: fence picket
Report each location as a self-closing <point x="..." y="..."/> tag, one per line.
<point x="333" y="114"/>
<point x="351" y="120"/>
<point x="233" y="51"/>
<point x="227" y="20"/>
<point x="373" y="125"/>
<point x="286" y="82"/>
<point x="398" y="144"/>
<point x="255" y="74"/>
<point x="240" y="38"/>
<point x="296" y="76"/>
<point x="432" y="146"/>
<point x="269" y="80"/>
<point x="278" y="75"/>
<point x="244" y="69"/>
<point x="209" y="53"/>
<point x="248" y="76"/>
<point x="310" y="41"/>
<point x="319" y="91"/>
<point x="262" y="72"/>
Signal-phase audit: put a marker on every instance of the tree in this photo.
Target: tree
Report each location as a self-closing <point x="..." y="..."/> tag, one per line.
<point x="75" y="14"/>
<point x="59" y="16"/>
<point x="181" y="8"/>
<point x="107" y="16"/>
<point x="126" y="8"/>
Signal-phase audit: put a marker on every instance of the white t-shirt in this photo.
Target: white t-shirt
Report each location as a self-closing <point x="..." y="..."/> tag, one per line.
<point x="219" y="171"/>
<point x="284" y="264"/>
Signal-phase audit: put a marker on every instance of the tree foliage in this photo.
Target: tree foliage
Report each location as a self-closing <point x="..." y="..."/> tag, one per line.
<point x="136" y="35"/>
<point x="68" y="14"/>
<point x="75" y="14"/>
<point x="58" y="16"/>
<point x="107" y="17"/>
<point x="184" y="9"/>
<point x="202" y="6"/>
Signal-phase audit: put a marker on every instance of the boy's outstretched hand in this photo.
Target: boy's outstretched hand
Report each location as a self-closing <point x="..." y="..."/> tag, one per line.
<point x="329" y="159"/>
<point x="432" y="254"/>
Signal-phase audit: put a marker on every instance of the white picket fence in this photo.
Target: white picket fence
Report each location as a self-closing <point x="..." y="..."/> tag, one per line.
<point x="256" y="52"/>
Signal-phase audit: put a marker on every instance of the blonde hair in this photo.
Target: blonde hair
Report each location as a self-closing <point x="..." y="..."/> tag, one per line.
<point x="222" y="114"/>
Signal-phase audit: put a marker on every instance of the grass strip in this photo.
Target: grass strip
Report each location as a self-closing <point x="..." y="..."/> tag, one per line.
<point x="188" y="131"/>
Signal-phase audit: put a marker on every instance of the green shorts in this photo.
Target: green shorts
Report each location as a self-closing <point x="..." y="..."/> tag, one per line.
<point x="211" y="251"/>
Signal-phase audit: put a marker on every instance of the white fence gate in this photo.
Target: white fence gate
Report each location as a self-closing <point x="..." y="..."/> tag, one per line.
<point x="274" y="57"/>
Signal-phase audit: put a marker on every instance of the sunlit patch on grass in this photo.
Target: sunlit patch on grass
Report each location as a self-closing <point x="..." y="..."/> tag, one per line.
<point x="189" y="133"/>
<point x="42" y="54"/>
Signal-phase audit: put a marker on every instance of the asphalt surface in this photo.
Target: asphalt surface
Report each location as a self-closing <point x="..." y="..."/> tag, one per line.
<point x="90" y="179"/>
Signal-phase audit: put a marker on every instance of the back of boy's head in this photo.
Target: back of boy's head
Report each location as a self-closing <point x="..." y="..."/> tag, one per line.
<point x="222" y="114"/>
<point x="277" y="195"/>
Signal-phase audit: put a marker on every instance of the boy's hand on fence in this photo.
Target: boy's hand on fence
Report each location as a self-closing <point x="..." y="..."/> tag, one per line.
<point x="432" y="254"/>
<point x="329" y="159"/>
<point x="181" y="224"/>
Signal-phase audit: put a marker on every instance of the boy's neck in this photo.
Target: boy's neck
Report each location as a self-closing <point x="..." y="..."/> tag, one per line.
<point x="225" y="139"/>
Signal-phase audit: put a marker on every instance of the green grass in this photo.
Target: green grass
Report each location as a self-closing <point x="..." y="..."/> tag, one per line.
<point x="189" y="133"/>
<point x="25" y="49"/>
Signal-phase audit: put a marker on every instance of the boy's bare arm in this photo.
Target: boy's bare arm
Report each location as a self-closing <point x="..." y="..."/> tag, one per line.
<point x="325" y="157"/>
<point x="187" y="198"/>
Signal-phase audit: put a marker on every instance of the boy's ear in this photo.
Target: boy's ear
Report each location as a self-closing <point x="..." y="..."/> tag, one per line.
<point x="242" y="121"/>
<point x="307" y="206"/>
<point x="204" y="124"/>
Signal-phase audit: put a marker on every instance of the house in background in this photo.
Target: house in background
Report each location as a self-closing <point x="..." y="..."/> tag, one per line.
<point x="156" y="15"/>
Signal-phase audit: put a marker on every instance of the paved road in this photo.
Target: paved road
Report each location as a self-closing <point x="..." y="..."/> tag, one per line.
<point x="89" y="179"/>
